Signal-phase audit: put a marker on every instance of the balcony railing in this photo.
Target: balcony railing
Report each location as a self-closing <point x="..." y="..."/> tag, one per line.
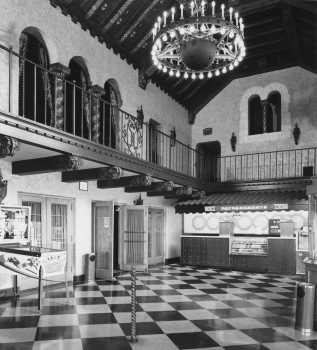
<point x="46" y="97"/>
<point x="294" y="163"/>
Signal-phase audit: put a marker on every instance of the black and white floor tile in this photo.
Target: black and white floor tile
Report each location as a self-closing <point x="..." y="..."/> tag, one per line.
<point x="178" y="307"/>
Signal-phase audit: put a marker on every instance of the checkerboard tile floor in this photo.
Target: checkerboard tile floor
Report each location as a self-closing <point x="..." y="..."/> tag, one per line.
<point x="178" y="307"/>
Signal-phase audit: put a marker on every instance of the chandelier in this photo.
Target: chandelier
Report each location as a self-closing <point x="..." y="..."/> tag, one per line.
<point x="197" y="41"/>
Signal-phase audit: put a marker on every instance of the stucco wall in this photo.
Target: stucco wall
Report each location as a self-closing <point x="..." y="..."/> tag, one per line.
<point x="65" y="39"/>
<point x="227" y="112"/>
<point x="50" y="184"/>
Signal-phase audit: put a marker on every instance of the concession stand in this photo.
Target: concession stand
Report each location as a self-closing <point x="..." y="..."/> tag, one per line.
<point x="20" y="255"/>
<point x="257" y="231"/>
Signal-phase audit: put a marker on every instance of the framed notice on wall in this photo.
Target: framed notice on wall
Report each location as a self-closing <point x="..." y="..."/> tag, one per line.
<point x="274" y="227"/>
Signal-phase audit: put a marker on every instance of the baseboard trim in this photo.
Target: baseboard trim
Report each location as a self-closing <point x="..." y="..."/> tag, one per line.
<point x="175" y="260"/>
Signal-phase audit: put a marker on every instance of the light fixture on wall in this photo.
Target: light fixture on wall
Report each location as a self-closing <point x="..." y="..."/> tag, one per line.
<point x="296" y="133"/>
<point x="233" y="142"/>
<point x="198" y="40"/>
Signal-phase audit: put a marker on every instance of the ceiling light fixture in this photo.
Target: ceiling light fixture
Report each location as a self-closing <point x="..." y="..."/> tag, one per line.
<point x="197" y="40"/>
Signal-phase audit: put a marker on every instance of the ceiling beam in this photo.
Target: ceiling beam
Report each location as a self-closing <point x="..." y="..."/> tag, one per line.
<point x="178" y="191"/>
<point x="116" y="16"/>
<point x="152" y="187"/>
<point x="291" y="32"/>
<point x="103" y="173"/>
<point x="136" y="180"/>
<point x="45" y="165"/>
<point x="141" y="17"/>
<point x="94" y="8"/>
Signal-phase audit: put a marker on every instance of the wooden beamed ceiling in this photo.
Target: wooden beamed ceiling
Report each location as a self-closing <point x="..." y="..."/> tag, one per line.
<point x="279" y="34"/>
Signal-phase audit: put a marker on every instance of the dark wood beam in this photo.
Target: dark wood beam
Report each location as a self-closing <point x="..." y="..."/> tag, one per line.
<point x="291" y="33"/>
<point x="103" y="173"/>
<point x="45" y="165"/>
<point x="137" y="180"/>
<point x="116" y="16"/>
<point x="176" y="192"/>
<point x="153" y="187"/>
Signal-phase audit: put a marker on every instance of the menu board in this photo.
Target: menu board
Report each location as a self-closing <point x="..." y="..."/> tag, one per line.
<point x="14" y="223"/>
<point x="274" y="227"/>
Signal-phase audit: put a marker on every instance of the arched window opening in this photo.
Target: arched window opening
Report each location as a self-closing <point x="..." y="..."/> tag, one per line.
<point x="35" y="92"/>
<point x="110" y="122"/>
<point x="78" y="99"/>
<point x="273" y="116"/>
<point x="255" y="115"/>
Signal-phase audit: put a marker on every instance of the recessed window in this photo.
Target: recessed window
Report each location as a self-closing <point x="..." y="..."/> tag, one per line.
<point x="264" y="115"/>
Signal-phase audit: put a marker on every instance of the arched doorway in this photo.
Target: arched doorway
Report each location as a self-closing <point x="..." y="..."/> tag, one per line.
<point x="111" y="121"/>
<point x="208" y="163"/>
<point x="35" y="94"/>
<point x="77" y="99"/>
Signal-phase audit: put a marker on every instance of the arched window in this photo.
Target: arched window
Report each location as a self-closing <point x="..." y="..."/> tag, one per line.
<point x="255" y="115"/>
<point x="273" y="116"/>
<point x="35" y="94"/>
<point x="77" y="99"/>
<point x="110" y="123"/>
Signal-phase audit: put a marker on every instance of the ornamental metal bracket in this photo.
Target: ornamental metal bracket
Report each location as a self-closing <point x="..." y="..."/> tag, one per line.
<point x="8" y="146"/>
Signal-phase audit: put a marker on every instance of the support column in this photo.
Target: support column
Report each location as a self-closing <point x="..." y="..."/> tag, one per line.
<point x="97" y="92"/>
<point x="59" y="91"/>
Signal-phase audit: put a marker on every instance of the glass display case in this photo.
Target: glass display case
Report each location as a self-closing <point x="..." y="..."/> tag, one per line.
<point x="249" y="246"/>
<point x="14" y="224"/>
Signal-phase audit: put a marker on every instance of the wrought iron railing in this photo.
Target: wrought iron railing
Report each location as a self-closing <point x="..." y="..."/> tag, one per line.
<point x="293" y="163"/>
<point x="45" y="96"/>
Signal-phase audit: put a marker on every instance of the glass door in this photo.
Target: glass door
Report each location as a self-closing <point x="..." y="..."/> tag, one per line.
<point x="156" y="236"/>
<point x="135" y="233"/>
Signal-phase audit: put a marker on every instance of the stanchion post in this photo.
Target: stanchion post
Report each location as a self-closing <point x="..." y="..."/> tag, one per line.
<point x="133" y="337"/>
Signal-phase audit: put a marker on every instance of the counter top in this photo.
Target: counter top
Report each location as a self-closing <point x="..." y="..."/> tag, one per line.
<point x="204" y="236"/>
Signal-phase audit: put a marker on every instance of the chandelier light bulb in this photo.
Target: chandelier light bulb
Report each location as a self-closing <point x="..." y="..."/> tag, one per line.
<point x="236" y="16"/>
<point x="223" y="11"/>
<point x="224" y="70"/>
<point x="164" y="69"/>
<point x="159" y="20"/>
<point x="181" y="31"/>
<point x="165" y="17"/>
<point x="164" y="37"/>
<point x="185" y="75"/>
<point x="201" y="76"/>
<point x="242" y="28"/>
<point x="213" y="5"/>
<point x="236" y="63"/>
<point x="209" y="75"/>
<point x="203" y="3"/>
<point x="172" y="34"/>
<point x="178" y="74"/>
<point x="171" y="73"/>
<point x="192" y="5"/>
<point x="230" y="67"/>
<point x="231" y="35"/>
<point x="160" y="67"/>
<point x="193" y="76"/>
<point x="230" y="13"/>
<point x="217" y="73"/>
<point x="173" y="13"/>
<point x="182" y="11"/>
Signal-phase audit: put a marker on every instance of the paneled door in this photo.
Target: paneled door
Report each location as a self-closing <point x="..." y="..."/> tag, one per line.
<point x="135" y="233"/>
<point x="103" y="238"/>
<point x="156" y="236"/>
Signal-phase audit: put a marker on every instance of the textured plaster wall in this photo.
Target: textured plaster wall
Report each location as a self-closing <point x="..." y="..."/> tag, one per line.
<point x="227" y="112"/>
<point x="50" y="184"/>
<point x="64" y="40"/>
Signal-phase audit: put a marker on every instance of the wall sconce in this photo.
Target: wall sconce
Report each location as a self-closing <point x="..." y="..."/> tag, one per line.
<point x="138" y="201"/>
<point x="233" y="141"/>
<point x="296" y="133"/>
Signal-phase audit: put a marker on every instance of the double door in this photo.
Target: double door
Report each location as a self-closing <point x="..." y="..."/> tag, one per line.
<point x="140" y="234"/>
<point x="52" y="224"/>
